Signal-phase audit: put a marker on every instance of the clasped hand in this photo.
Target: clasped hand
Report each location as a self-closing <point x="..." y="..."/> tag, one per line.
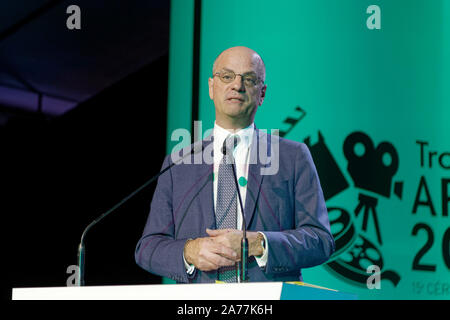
<point x="222" y="248"/>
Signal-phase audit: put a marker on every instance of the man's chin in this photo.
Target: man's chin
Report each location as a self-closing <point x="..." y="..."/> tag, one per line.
<point x="236" y="114"/>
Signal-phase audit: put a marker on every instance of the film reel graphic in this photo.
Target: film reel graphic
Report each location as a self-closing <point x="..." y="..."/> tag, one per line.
<point x="371" y="169"/>
<point x="353" y="263"/>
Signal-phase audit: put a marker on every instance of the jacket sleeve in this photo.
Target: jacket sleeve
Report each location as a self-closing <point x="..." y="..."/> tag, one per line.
<point x="158" y="251"/>
<point x="310" y="243"/>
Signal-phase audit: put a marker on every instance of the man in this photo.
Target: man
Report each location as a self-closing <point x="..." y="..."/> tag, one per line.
<point x="193" y="231"/>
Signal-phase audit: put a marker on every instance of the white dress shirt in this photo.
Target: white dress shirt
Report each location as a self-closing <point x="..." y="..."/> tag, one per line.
<point x="241" y="155"/>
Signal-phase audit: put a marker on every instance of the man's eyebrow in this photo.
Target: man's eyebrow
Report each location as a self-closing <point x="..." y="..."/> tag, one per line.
<point x="245" y="73"/>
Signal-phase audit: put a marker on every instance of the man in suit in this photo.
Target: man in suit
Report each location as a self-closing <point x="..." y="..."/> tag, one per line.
<point x="193" y="232"/>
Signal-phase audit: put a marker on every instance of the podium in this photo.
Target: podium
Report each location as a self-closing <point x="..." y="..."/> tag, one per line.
<point x="219" y="291"/>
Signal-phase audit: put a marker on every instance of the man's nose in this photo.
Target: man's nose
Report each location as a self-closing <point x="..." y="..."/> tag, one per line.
<point x="238" y="83"/>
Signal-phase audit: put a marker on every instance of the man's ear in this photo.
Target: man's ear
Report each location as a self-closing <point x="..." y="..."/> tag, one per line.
<point x="211" y="85"/>
<point x="263" y="94"/>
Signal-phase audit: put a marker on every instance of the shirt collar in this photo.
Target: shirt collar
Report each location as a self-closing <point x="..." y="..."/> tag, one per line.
<point x="245" y="134"/>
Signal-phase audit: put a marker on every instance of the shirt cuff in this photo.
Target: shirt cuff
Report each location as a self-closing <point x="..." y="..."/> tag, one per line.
<point x="189" y="267"/>
<point x="262" y="260"/>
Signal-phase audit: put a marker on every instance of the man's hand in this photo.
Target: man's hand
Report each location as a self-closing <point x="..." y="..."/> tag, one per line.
<point x="231" y="238"/>
<point x="222" y="248"/>
<point x="206" y="254"/>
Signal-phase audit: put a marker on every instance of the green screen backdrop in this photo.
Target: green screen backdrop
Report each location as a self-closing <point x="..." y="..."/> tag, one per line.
<point x="368" y="90"/>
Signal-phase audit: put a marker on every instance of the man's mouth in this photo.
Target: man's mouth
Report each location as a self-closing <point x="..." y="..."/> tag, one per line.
<point x="235" y="99"/>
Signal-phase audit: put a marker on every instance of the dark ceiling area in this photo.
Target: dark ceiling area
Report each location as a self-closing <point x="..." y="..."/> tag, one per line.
<point x="45" y="66"/>
<point x="83" y="124"/>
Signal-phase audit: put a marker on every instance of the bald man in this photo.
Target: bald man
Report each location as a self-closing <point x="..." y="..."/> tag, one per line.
<point x="193" y="231"/>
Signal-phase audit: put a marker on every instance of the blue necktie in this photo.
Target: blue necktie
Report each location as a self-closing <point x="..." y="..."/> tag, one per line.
<point x="226" y="204"/>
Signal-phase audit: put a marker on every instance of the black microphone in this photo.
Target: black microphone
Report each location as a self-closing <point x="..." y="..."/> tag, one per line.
<point x="196" y="148"/>
<point x="242" y="269"/>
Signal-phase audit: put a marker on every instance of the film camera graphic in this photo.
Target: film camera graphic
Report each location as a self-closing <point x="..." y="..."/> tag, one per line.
<point x="371" y="169"/>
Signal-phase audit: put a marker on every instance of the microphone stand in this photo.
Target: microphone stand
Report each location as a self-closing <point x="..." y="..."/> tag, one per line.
<point x="243" y="264"/>
<point x="81" y="247"/>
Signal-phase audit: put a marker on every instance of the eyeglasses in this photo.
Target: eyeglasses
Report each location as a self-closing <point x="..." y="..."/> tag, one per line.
<point x="228" y="76"/>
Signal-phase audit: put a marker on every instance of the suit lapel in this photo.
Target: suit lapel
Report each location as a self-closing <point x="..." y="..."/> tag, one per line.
<point x="255" y="177"/>
<point x="205" y="170"/>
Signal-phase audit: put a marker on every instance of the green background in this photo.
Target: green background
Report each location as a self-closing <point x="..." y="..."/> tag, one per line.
<point x="393" y="84"/>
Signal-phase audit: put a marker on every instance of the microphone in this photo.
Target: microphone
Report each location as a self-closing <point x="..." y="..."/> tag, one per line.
<point x="196" y="148"/>
<point x="242" y="269"/>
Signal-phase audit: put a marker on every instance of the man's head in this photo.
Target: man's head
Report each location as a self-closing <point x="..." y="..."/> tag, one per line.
<point x="237" y="87"/>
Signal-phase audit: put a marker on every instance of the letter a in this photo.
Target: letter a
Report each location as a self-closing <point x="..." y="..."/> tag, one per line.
<point x="428" y="202"/>
<point x="374" y="280"/>
<point x="71" y="280"/>
<point x="74" y="20"/>
<point x="374" y="21"/>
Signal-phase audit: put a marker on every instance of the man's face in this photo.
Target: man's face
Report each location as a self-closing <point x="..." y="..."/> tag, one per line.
<point x="236" y="102"/>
